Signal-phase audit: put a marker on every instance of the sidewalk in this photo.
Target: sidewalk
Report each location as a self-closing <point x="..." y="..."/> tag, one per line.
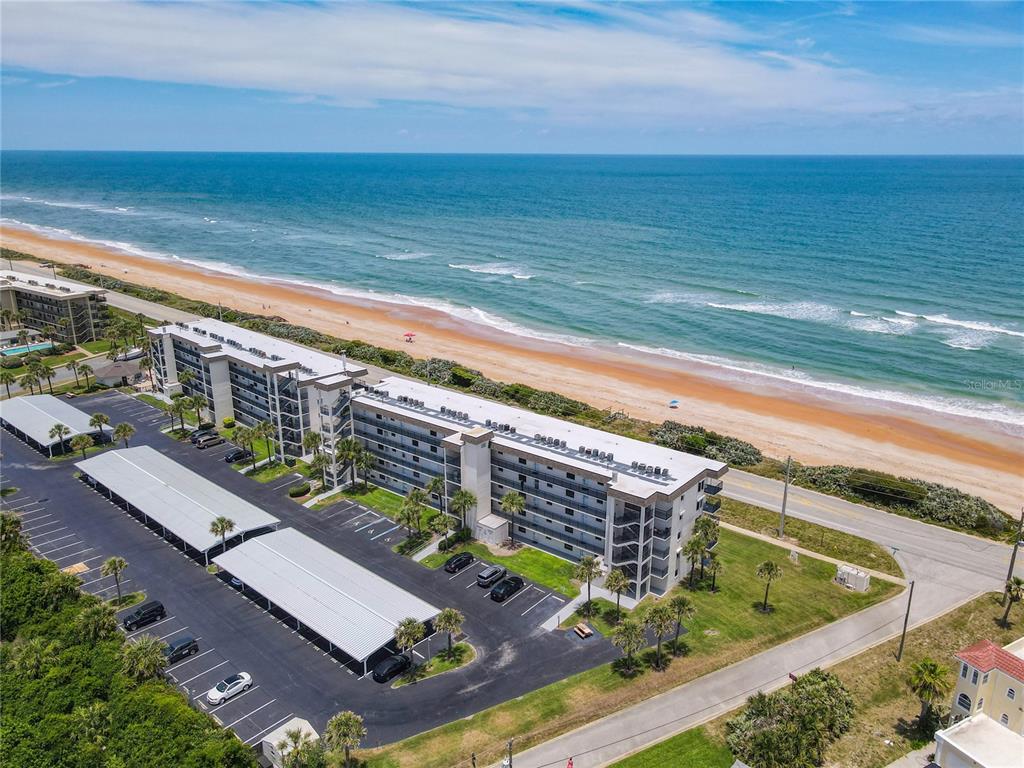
<point x="919" y="758"/>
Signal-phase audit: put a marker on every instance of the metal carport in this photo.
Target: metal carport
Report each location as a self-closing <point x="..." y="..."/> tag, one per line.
<point x="31" y="417"/>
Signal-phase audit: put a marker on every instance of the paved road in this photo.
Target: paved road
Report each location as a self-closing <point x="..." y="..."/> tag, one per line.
<point x="948" y="568"/>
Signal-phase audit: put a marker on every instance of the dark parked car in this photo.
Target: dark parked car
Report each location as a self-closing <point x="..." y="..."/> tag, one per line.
<point x="490" y="575"/>
<point x="457" y="562"/>
<point x="199" y="434"/>
<point x="238" y="454"/>
<point x="146" y="613"/>
<point x="507" y="588"/>
<point x="391" y="667"/>
<point x="177" y="650"/>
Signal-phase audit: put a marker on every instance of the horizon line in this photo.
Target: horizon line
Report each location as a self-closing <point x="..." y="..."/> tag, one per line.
<point x="515" y="154"/>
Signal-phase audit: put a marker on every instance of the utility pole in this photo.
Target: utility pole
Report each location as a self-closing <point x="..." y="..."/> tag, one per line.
<point x="785" y="496"/>
<point x="1013" y="557"/>
<point x="906" y="620"/>
<point x="473" y="759"/>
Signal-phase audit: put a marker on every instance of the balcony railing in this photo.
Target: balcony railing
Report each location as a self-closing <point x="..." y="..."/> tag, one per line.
<point x="543" y="493"/>
<point x="711" y="506"/>
<point x="712" y="487"/>
<point x="388" y="426"/>
<point x="364" y="433"/>
<point x="562" y="482"/>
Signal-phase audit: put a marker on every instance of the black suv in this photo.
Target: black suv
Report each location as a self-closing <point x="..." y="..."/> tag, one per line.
<point x="391" y="667"/>
<point x="506" y="589"/>
<point x="146" y="613"/>
<point x="177" y="650"/>
<point x="237" y="454"/>
<point x="457" y="562"/>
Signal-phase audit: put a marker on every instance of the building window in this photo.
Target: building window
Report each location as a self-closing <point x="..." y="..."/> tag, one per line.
<point x="380" y="431"/>
<point x="379" y="416"/>
<point x="433" y="449"/>
<point x="570" y="476"/>
<point x="964" y="701"/>
<point x="570" y="494"/>
<point x="984" y="679"/>
<point x="433" y="433"/>
<point x="522" y="460"/>
<point x="1004" y="719"/>
<point x="981" y="703"/>
<point x="963" y="671"/>
<point x="569" y="512"/>
<point x="521" y="528"/>
<point x="415" y="459"/>
<point x="415" y="474"/>
<point x="568" y="528"/>
<point x="415" y="442"/>
<point x="974" y="677"/>
<point x="1011" y="694"/>
<point x="380" y="447"/>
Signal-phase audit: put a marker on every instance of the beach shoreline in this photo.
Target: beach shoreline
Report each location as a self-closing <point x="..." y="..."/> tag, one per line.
<point x="972" y="454"/>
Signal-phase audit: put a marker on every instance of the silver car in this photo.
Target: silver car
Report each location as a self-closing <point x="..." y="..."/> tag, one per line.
<point x="490" y="575"/>
<point x="228" y="687"/>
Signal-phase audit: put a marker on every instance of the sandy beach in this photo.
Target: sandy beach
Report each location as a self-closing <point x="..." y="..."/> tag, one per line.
<point x="969" y="454"/>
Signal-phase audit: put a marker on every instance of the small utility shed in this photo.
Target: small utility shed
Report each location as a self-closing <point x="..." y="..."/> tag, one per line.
<point x="179" y="500"/>
<point x="349" y="606"/>
<point x="31" y="417"/>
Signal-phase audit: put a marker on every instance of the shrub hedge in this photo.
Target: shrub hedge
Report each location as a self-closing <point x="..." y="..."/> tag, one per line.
<point x="299" y="489"/>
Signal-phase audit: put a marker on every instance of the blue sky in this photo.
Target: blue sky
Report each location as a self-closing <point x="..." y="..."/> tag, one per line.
<point x="664" y="77"/>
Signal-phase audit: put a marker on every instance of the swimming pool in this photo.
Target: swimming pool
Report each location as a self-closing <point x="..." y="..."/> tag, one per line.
<point x="13" y="351"/>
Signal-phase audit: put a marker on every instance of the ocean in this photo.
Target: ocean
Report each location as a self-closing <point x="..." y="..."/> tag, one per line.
<point x="896" y="279"/>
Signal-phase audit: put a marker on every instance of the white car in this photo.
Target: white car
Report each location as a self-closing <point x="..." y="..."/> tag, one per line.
<point x="229" y="687"/>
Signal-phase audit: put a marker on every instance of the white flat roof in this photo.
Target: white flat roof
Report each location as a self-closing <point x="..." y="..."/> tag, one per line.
<point x="348" y="605"/>
<point x="35" y="415"/>
<point x="50" y="286"/>
<point x="182" y="501"/>
<point x="204" y="333"/>
<point x="682" y="468"/>
<point x="985" y="741"/>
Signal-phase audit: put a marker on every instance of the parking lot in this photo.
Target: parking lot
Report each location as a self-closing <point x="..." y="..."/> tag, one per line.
<point x="293" y="674"/>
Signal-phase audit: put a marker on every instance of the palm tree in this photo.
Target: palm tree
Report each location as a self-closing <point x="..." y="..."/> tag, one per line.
<point x="29" y="381"/>
<point x="587" y="569"/>
<point x="348" y="450"/>
<point x="441" y="524"/>
<point x="243" y="437"/>
<point x="98" y="421"/>
<point x="295" y="741"/>
<point x="449" y="620"/>
<point x="682" y="609"/>
<point x="311" y="442"/>
<point x="58" y="433"/>
<point x="929" y="681"/>
<point x="23" y="337"/>
<point x="436" y="488"/>
<point x="768" y="571"/>
<point x="628" y="637"/>
<point x="5" y="318"/>
<point x="198" y="402"/>
<point x="714" y="568"/>
<point x="85" y="369"/>
<point x="264" y="431"/>
<point x="1014" y="594"/>
<point x="44" y="371"/>
<point x="73" y="367"/>
<point x="179" y="408"/>
<point x="318" y="466"/>
<point x="82" y="443"/>
<point x="114" y="566"/>
<point x="345" y="730"/>
<point x="462" y="501"/>
<point x="222" y="526"/>
<point x="408" y="633"/>
<point x="91" y="723"/>
<point x="512" y="504"/>
<point x="617" y="582"/>
<point x="143" y="658"/>
<point x="694" y="551"/>
<point x="124" y="431"/>
<point x="416" y="502"/>
<point x="7" y="378"/>
<point x="29" y="657"/>
<point x="659" y="620"/>
<point x="11" y="537"/>
<point x="146" y="364"/>
<point x="364" y="463"/>
<point x="706" y="529"/>
<point x="97" y="622"/>
<point x="186" y="377"/>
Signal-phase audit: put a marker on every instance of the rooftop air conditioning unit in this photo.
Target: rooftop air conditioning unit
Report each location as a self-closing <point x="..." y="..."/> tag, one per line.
<point x="587" y="451"/>
<point x="512" y="430"/>
<point x="536" y="435"/>
<point x="581" y="450"/>
<point x="611" y="457"/>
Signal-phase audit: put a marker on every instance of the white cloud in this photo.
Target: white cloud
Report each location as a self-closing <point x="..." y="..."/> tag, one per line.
<point x="969" y="36"/>
<point x="637" y="63"/>
<point x="56" y="83"/>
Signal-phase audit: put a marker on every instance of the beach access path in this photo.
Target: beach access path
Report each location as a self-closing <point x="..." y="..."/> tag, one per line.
<point x="948" y="568"/>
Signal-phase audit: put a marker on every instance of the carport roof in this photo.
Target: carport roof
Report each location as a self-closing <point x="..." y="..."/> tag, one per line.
<point x="182" y="501"/>
<point x="35" y="416"/>
<point x="343" y="602"/>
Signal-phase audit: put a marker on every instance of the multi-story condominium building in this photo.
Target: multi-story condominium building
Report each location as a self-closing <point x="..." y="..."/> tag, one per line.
<point x="587" y="492"/>
<point x="252" y="378"/>
<point x="70" y="311"/>
<point x="987" y="711"/>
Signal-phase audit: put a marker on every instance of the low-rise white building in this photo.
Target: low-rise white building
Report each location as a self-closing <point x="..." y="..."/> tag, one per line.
<point x="71" y="312"/>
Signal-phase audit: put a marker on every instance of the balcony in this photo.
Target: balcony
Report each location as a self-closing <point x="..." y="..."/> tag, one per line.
<point x="562" y="482"/>
<point x="711" y="506"/>
<point x="388" y="426"/>
<point x="364" y="433"/>
<point x="543" y="493"/>
<point x="626" y="518"/>
<point x="712" y="487"/>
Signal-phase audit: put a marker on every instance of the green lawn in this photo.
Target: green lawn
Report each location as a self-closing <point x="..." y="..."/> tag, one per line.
<point x="461" y="655"/>
<point x="268" y="472"/>
<point x="603" y="618"/>
<point x="96" y="347"/>
<point x="259" y="447"/>
<point x="727" y="627"/>
<point x="92" y="449"/>
<point x="8" y="491"/>
<point x="128" y="599"/>
<point x="547" y="570"/>
<point x="54" y="361"/>
<point x="330" y="501"/>
<point x="818" y="538"/>
<point x="690" y="748"/>
<point x="384" y="501"/>
<point x="156" y="402"/>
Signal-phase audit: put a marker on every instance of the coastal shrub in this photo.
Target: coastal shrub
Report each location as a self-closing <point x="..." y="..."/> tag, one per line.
<point x="10" y="362"/>
<point x="487" y="388"/>
<point x="456" y="539"/>
<point x="299" y="489"/>
<point x="228" y="422"/>
<point x="704" y="442"/>
<point x="794" y="726"/>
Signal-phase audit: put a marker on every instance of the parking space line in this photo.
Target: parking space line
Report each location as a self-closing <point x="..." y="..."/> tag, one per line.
<point x="150" y="626"/>
<point x="235" y="698"/>
<point x="21" y="506"/>
<point x="517" y="594"/>
<point x="170" y="634"/>
<point x="369" y="524"/>
<point x="251" y="713"/>
<point x="41" y="525"/>
<point x="467" y="569"/>
<point x="534" y="605"/>
<point x="260" y="734"/>
<point x="193" y="658"/>
<point x="93" y="581"/>
<point x="112" y="586"/>
<point x="364" y="514"/>
<point x="58" y="549"/>
<point x="53" y="541"/>
<point x="291" y="479"/>
<point x="385" y="533"/>
<point x="76" y="554"/>
<point x="196" y="677"/>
